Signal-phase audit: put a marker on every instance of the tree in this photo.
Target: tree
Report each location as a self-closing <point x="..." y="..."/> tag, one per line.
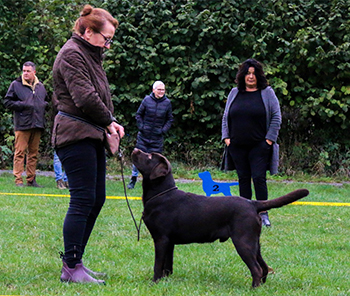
<point x="195" y="47"/>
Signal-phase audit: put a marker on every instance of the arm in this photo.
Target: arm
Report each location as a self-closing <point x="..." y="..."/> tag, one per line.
<point x="224" y="127"/>
<point x="12" y="102"/>
<point x="140" y="115"/>
<point x="169" y="119"/>
<point x="275" y="117"/>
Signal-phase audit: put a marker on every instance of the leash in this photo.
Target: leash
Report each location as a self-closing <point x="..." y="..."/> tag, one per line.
<point x="138" y="228"/>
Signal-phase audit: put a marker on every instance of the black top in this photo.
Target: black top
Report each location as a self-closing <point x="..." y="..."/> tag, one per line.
<point x="247" y="119"/>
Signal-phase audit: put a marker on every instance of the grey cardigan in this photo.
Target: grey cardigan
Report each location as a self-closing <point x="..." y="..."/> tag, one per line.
<point x="273" y="124"/>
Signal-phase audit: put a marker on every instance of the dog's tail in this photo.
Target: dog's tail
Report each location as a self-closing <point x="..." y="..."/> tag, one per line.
<point x="264" y="205"/>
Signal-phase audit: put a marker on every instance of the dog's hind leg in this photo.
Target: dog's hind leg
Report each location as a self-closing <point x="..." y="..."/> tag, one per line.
<point x="248" y="248"/>
<point x="168" y="266"/>
<point x="263" y="265"/>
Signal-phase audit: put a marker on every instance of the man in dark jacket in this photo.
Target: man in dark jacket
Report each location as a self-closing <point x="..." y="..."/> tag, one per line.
<point x="27" y="98"/>
<point x="154" y="118"/>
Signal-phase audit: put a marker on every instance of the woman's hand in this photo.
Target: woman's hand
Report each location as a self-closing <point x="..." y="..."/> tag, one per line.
<point x="114" y="127"/>
<point x="227" y="141"/>
<point x="269" y="142"/>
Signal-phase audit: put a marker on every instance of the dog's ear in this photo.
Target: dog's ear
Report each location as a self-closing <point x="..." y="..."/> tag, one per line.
<point x="162" y="169"/>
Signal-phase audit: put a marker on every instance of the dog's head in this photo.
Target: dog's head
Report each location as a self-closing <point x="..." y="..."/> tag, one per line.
<point x="204" y="175"/>
<point x="151" y="165"/>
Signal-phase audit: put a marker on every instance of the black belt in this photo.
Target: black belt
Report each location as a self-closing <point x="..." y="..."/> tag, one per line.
<point x="74" y="117"/>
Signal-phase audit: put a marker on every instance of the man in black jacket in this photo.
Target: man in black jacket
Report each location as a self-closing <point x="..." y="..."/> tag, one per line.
<point x="154" y="118"/>
<point x="27" y="98"/>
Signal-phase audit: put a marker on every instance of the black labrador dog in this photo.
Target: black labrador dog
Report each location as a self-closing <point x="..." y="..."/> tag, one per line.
<point x="176" y="217"/>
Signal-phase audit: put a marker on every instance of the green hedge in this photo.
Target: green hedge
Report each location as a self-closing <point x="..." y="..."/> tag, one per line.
<point x="195" y="47"/>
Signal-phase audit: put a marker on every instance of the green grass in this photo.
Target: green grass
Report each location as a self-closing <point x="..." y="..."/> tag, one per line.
<point x="307" y="246"/>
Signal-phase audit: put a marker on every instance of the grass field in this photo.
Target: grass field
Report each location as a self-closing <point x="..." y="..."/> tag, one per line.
<point x="308" y="247"/>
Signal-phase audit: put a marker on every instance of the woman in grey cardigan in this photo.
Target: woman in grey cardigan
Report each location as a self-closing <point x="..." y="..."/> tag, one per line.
<point x="250" y="127"/>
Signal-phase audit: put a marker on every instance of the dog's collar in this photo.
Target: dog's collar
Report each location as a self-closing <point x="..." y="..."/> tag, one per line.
<point x="159" y="194"/>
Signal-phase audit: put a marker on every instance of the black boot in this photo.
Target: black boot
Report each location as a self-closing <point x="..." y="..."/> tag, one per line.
<point x="132" y="183"/>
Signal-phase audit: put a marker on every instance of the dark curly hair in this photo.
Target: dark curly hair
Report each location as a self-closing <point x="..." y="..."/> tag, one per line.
<point x="259" y="73"/>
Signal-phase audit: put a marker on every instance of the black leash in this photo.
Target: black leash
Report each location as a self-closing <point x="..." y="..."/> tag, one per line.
<point x="138" y="228"/>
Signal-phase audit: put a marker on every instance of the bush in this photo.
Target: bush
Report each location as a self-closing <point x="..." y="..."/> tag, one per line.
<point x="195" y="47"/>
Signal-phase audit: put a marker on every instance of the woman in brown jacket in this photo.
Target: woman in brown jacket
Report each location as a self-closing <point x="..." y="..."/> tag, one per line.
<point x="85" y="109"/>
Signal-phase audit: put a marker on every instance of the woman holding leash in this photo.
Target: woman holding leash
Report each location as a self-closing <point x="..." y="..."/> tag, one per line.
<point x="85" y="111"/>
<point x="250" y="127"/>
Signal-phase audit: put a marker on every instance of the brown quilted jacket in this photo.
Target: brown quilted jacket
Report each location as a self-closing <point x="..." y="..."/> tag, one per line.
<point x="82" y="90"/>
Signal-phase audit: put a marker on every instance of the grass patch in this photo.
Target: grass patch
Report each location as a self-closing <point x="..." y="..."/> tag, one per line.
<point x="308" y="247"/>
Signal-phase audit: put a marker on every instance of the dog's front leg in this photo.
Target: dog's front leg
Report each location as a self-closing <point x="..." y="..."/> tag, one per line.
<point x="168" y="266"/>
<point x="161" y="246"/>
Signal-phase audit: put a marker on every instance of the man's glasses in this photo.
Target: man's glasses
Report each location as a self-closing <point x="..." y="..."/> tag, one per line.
<point x="108" y="40"/>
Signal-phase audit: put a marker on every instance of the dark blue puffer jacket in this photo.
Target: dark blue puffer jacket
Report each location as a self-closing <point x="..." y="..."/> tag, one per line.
<point x="154" y="118"/>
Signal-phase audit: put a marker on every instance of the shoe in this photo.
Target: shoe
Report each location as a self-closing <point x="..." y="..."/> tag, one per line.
<point x="94" y="273"/>
<point x="34" y="184"/>
<point x="265" y="219"/>
<point x="60" y="184"/>
<point x="132" y="183"/>
<point x="20" y="185"/>
<point x="77" y="275"/>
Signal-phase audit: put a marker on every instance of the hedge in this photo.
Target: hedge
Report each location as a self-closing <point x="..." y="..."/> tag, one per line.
<point x="195" y="47"/>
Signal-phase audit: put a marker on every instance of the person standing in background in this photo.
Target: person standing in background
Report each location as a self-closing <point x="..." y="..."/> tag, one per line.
<point x="154" y="118"/>
<point x="60" y="175"/>
<point x="27" y="98"/>
<point x="250" y="127"/>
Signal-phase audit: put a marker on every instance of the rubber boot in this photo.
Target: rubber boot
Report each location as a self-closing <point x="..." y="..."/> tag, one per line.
<point x="94" y="273"/>
<point x="77" y="275"/>
<point x="132" y="183"/>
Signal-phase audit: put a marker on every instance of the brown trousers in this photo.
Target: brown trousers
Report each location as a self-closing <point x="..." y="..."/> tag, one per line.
<point x="26" y="144"/>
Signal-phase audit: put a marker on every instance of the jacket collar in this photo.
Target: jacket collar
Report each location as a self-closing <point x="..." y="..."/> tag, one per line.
<point x="32" y="86"/>
<point x="95" y="51"/>
<point x="155" y="99"/>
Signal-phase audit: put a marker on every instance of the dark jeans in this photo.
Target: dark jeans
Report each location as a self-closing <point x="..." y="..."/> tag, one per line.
<point x="251" y="162"/>
<point x="85" y="166"/>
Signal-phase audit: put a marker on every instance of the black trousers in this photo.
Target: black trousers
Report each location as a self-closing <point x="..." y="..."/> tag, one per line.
<point x="251" y="162"/>
<point x="85" y="166"/>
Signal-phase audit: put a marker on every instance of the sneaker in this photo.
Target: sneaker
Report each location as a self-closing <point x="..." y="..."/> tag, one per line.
<point x="132" y="183"/>
<point x="33" y="184"/>
<point x="60" y="184"/>
<point x="265" y="219"/>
